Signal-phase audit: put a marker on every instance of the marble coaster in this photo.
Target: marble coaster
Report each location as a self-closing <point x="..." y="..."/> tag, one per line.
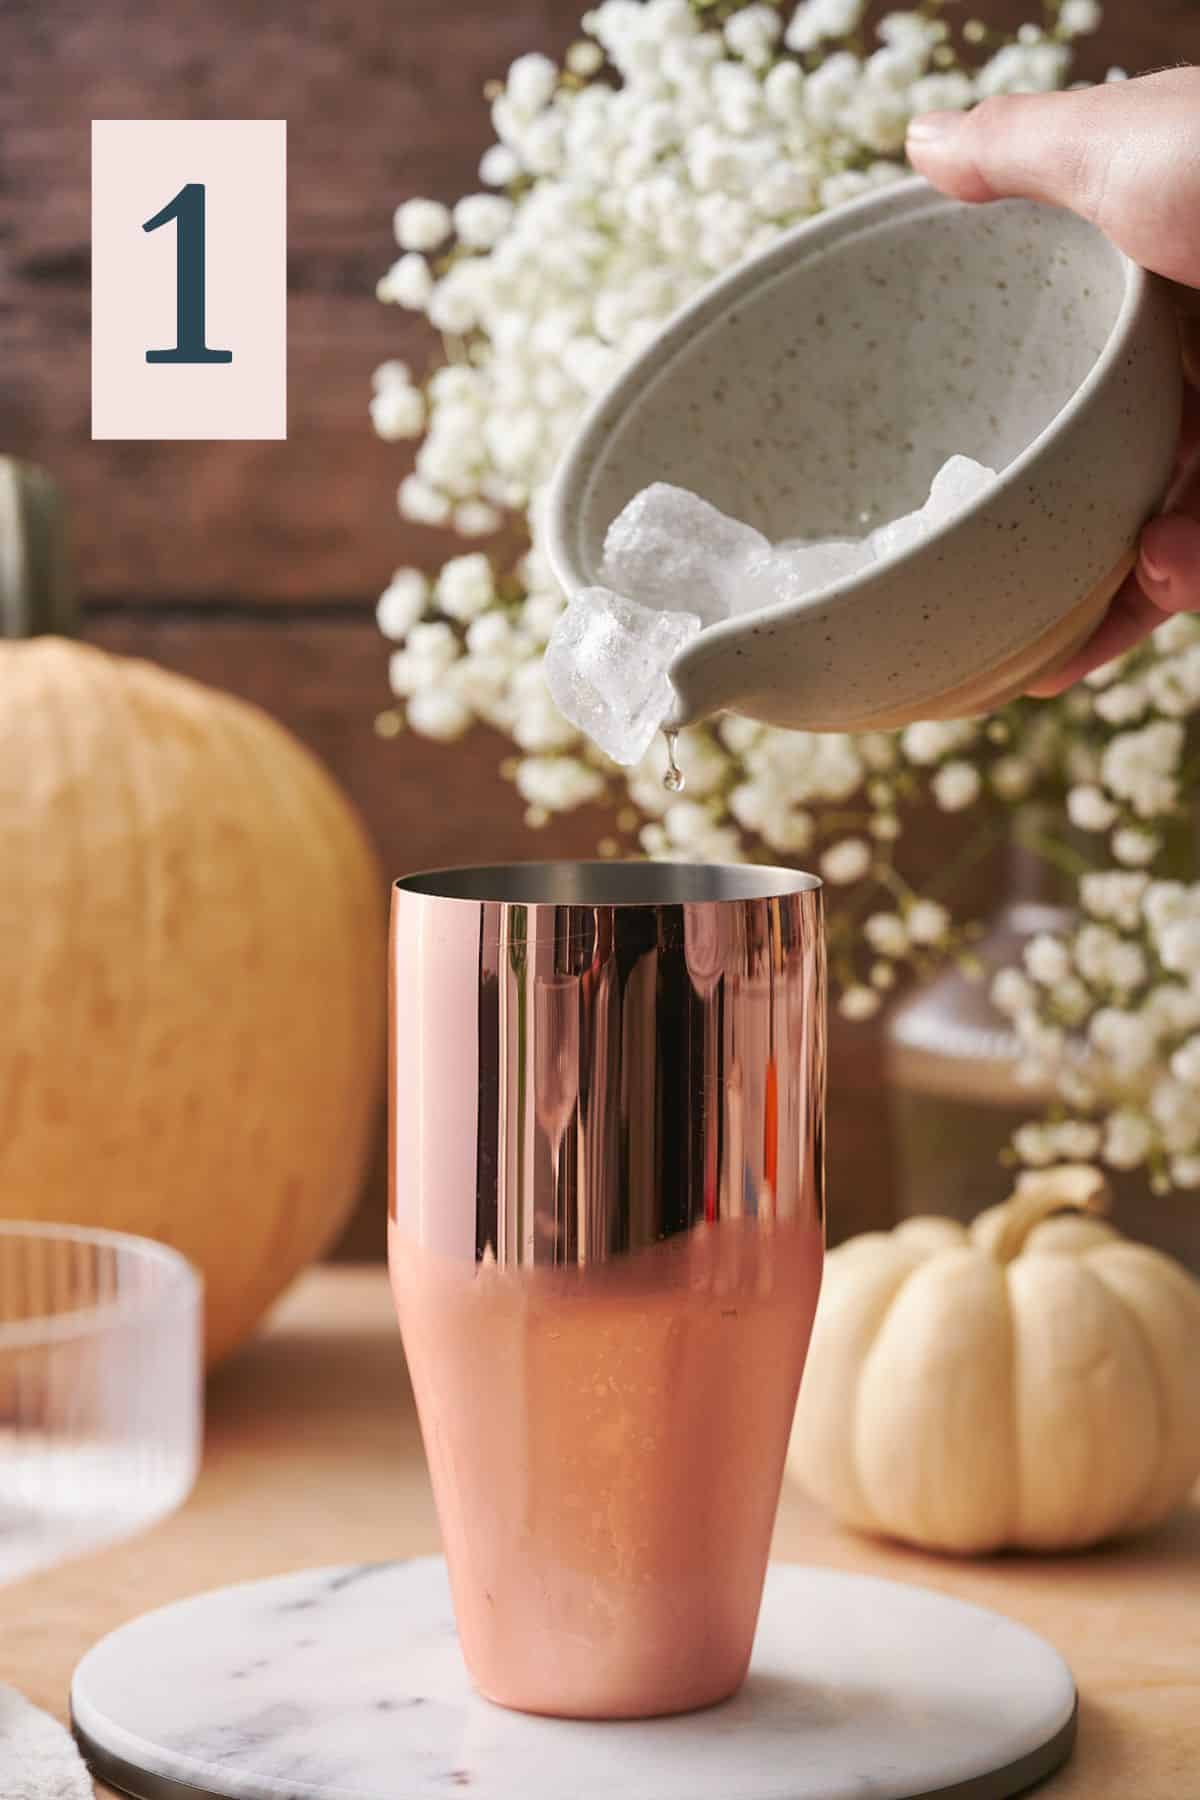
<point x="347" y="1684"/>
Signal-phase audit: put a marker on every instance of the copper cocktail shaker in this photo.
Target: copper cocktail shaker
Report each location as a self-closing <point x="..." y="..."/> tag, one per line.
<point x="606" y="1234"/>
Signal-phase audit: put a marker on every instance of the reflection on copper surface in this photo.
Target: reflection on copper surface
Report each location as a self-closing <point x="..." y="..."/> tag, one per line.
<point x="573" y="1082"/>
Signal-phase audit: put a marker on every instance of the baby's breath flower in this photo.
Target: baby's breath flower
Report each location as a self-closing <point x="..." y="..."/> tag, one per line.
<point x="475" y="519"/>
<point x="1175" y="1110"/>
<point x="559" y="783"/>
<point x="398" y="411"/>
<point x="1108" y="960"/>
<point x="887" y="933"/>
<point x="1128" y="1139"/>
<point x="1124" y="1038"/>
<point x="929" y="741"/>
<point x="1134" y="847"/>
<point x="1115" y="897"/>
<point x="1172" y="1009"/>
<point x="1179" y="947"/>
<point x="1012" y="994"/>
<point x="1140" y="767"/>
<point x="956" y="786"/>
<point x="402" y="603"/>
<point x="1048" y="960"/>
<point x="531" y="83"/>
<point x="1185" y="1064"/>
<point x="846" y="862"/>
<point x="1076" y="1141"/>
<point x="465" y="587"/>
<point x="585" y="59"/>
<point x="948" y="92"/>
<point x="481" y="220"/>
<point x="436" y="713"/>
<point x="928" y="922"/>
<point x="687" y="823"/>
<point x="1122" y="704"/>
<point x="753" y="33"/>
<point x="783" y="92"/>
<point x="422" y="503"/>
<point x="433" y="643"/>
<point x="1034" y="1144"/>
<point x="1090" y="809"/>
<point x="815" y="21"/>
<point x="1167" y="903"/>
<point x="1023" y="68"/>
<point x="911" y="31"/>
<point x="451" y="306"/>
<point x="422" y="224"/>
<point x="499" y="166"/>
<point x="407" y="283"/>
<point x="787" y="829"/>
<point x="1076" y="18"/>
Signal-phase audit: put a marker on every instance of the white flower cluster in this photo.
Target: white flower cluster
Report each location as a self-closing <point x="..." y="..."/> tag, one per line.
<point x="1114" y="1013"/>
<point x="678" y="138"/>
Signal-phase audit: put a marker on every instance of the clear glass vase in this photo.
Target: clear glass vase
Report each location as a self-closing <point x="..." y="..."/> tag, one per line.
<point x="955" y="1093"/>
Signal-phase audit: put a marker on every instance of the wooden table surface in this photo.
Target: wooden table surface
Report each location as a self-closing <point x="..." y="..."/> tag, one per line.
<point x="314" y="1456"/>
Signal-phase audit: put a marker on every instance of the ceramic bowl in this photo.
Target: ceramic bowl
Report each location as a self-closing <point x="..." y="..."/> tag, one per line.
<point x="816" y="390"/>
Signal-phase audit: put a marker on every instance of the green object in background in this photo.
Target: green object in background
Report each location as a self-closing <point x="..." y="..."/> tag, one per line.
<point x="37" y="595"/>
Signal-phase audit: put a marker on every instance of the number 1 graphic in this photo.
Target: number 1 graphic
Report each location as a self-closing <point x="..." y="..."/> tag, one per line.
<point x="187" y="210"/>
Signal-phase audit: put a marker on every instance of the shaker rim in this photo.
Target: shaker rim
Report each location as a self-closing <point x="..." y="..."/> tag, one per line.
<point x="601" y="884"/>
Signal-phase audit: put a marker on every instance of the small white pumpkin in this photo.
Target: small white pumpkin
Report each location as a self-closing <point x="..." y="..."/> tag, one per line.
<point x="1032" y="1382"/>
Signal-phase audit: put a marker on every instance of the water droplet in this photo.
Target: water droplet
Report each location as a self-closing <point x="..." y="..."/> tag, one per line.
<point x="674" y="780"/>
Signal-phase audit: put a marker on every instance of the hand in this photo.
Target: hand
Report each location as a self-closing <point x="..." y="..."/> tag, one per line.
<point x="1125" y="156"/>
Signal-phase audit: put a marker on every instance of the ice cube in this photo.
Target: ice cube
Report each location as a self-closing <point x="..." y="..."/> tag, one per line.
<point x="902" y="534"/>
<point x="606" y="668"/>
<point x="800" y="566"/>
<point x="674" y="552"/>
<point x="956" y="485"/>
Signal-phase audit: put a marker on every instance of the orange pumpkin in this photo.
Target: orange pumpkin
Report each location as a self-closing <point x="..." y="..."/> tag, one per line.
<point x="191" y="940"/>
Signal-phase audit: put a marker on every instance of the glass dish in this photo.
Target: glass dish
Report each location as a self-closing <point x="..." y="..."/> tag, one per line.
<point x="100" y="1389"/>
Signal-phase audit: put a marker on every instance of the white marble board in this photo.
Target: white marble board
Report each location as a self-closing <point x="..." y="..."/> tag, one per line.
<point x="347" y="1684"/>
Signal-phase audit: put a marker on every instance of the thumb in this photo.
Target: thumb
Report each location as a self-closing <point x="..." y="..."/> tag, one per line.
<point x="1032" y="146"/>
<point x="1125" y="156"/>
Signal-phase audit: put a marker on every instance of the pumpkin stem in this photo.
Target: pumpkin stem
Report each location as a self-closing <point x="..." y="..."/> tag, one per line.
<point x="1040" y="1193"/>
<point x="37" y="595"/>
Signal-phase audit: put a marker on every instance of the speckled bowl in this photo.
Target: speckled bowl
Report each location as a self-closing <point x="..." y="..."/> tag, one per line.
<point x="817" y="389"/>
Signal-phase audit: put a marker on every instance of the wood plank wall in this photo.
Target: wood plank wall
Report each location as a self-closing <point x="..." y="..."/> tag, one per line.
<point x="255" y="566"/>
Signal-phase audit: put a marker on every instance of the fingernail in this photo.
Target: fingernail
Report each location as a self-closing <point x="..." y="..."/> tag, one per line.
<point x="1155" y="570"/>
<point x="934" y="128"/>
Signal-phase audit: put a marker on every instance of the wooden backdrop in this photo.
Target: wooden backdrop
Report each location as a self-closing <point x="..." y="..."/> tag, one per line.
<point x="255" y="566"/>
